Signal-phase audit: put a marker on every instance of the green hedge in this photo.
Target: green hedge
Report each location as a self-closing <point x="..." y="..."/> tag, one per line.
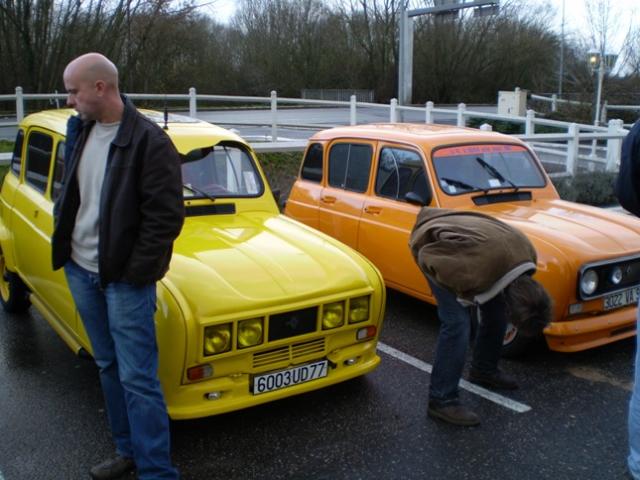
<point x="511" y="128"/>
<point x="593" y="188"/>
<point x="6" y="146"/>
<point x="281" y="170"/>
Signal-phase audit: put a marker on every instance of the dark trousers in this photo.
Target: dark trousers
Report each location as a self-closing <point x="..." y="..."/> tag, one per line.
<point x="453" y="340"/>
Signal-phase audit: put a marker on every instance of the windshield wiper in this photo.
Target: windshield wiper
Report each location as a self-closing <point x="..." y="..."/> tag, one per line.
<point x="496" y="174"/>
<point x="197" y="191"/>
<point x="461" y="184"/>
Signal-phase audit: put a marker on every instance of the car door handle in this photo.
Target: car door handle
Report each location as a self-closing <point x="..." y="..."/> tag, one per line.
<point x="328" y="199"/>
<point x="372" y="210"/>
<point x="35" y="213"/>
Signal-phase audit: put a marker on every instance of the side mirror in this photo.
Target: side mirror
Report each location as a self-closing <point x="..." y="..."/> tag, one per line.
<point x="415" y="199"/>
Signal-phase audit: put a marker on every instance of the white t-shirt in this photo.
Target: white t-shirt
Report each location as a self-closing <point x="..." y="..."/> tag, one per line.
<point x="91" y="170"/>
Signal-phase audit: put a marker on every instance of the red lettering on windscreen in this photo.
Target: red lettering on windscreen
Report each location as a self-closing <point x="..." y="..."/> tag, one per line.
<point x="477" y="150"/>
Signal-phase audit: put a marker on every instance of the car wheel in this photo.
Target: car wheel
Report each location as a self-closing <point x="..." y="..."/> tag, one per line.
<point x="14" y="294"/>
<point x="514" y="343"/>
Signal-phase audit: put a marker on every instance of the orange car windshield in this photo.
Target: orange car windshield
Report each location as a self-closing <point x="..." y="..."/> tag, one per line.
<point x="471" y="168"/>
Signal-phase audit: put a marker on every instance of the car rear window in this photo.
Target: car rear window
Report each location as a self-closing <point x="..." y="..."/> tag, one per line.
<point x="312" y="165"/>
<point x="17" y="153"/>
<point x="470" y="168"/>
<point x="349" y="166"/>
<point x="39" y="148"/>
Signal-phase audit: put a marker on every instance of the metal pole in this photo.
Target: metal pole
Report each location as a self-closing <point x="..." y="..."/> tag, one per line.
<point x="193" y="109"/>
<point x="352" y="110"/>
<point x="393" y="113"/>
<point x="19" y="104"/>
<point x="461" y="121"/>
<point x="561" y="73"/>
<point x="573" y="145"/>
<point x="428" y="114"/>
<point x="402" y="13"/>
<point x="274" y="116"/>
<point x="596" y="118"/>
<point x="405" y="71"/>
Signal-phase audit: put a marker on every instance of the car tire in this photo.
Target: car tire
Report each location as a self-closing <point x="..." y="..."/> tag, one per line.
<point x="14" y="294"/>
<point x="515" y="344"/>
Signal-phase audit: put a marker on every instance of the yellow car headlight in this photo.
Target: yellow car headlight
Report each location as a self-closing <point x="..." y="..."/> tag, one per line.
<point x="217" y="339"/>
<point x="250" y="332"/>
<point x="358" y="309"/>
<point x="333" y="315"/>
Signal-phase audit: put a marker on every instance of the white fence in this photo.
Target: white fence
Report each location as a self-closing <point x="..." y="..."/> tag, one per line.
<point x="606" y="107"/>
<point x="576" y="147"/>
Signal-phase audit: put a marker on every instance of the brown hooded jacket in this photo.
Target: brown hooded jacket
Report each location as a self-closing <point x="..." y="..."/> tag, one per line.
<point x="472" y="254"/>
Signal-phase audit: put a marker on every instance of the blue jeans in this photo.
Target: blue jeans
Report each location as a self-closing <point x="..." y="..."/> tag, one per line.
<point x="453" y="340"/>
<point x="634" y="416"/>
<point x="120" y="325"/>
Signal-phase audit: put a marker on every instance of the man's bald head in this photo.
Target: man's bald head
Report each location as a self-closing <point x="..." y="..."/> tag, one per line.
<point x="92" y="67"/>
<point x="92" y="83"/>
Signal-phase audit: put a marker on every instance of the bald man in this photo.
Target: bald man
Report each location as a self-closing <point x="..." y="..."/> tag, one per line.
<point x="119" y="212"/>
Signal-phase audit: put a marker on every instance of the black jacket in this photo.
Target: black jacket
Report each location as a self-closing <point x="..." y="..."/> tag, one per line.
<point x="628" y="182"/>
<point x="141" y="205"/>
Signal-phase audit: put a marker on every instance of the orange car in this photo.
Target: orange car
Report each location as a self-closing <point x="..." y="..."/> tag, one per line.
<point x="365" y="184"/>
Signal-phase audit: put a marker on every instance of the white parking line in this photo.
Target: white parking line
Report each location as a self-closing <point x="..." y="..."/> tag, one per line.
<point x="471" y="387"/>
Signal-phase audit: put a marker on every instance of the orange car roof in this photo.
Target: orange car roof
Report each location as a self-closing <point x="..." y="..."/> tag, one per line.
<point x="415" y="133"/>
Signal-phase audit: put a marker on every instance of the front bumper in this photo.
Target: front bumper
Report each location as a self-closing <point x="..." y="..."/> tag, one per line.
<point x="189" y="401"/>
<point x="592" y="330"/>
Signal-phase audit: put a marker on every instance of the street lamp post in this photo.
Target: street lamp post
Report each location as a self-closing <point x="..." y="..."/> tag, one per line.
<point x="595" y="61"/>
<point x="600" y="65"/>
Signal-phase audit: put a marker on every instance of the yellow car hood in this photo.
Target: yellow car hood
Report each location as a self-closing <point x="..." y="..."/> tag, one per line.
<point x="228" y="264"/>
<point x="581" y="232"/>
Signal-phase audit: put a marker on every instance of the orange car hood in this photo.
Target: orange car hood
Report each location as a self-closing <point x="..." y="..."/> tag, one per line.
<point x="579" y="231"/>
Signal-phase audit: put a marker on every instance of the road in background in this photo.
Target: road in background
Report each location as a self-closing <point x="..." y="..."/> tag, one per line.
<point x="53" y="424"/>
<point x="254" y="124"/>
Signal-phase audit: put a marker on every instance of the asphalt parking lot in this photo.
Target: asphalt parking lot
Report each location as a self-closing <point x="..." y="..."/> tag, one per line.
<point x="567" y="421"/>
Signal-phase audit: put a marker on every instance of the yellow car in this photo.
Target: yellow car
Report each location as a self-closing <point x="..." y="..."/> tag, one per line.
<point x="365" y="184"/>
<point x="255" y="306"/>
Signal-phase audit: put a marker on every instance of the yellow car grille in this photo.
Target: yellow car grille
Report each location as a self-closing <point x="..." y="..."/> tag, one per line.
<point x="289" y="353"/>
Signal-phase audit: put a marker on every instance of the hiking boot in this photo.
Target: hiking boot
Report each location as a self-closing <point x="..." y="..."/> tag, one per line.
<point x="112" y="468"/>
<point x="498" y="379"/>
<point x="455" y="414"/>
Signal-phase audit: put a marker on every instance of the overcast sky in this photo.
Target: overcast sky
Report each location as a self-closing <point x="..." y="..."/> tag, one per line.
<point x="577" y="23"/>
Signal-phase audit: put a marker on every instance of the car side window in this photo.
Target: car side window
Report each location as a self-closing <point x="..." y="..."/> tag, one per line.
<point x="312" y="164"/>
<point x="400" y="172"/>
<point x="39" y="148"/>
<point x="349" y="166"/>
<point x="17" y="153"/>
<point x="58" y="171"/>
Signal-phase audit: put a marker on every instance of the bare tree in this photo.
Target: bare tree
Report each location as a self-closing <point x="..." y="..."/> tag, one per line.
<point x="373" y="33"/>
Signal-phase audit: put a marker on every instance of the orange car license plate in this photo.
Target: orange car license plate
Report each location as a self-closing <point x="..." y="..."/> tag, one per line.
<point x="622" y="298"/>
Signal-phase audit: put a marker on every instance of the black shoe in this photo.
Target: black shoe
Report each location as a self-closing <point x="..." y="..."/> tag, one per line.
<point x="498" y="379"/>
<point x="112" y="468"/>
<point x="453" y="413"/>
